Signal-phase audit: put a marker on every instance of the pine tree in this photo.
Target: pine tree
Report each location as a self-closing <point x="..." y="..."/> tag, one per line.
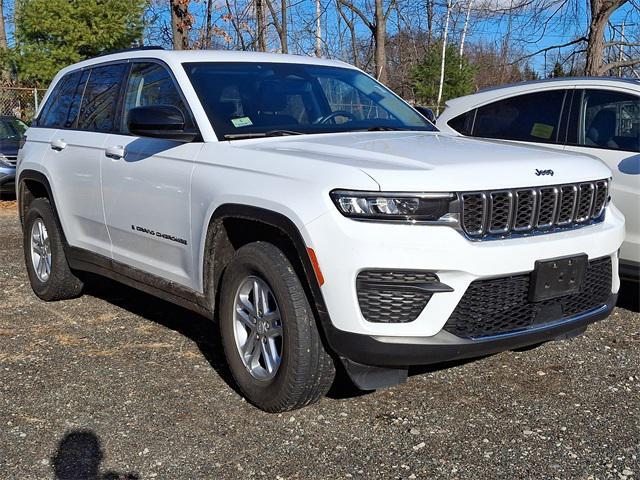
<point x="51" y="34"/>
<point x="458" y="75"/>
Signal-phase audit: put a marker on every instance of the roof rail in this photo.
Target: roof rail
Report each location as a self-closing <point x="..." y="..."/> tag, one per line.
<point x="132" y="49"/>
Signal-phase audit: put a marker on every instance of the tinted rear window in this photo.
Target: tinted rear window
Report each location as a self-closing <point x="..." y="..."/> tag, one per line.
<point x="55" y="112"/>
<point x="463" y="123"/>
<point x="74" y="108"/>
<point x="533" y="117"/>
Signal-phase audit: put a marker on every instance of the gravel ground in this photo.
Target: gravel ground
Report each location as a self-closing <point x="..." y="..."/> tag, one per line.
<point x="118" y="384"/>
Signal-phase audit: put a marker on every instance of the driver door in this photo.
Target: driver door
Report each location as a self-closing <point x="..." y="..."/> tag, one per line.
<point x="146" y="184"/>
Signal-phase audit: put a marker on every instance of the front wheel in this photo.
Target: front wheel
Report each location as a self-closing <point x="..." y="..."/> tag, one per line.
<point x="269" y="332"/>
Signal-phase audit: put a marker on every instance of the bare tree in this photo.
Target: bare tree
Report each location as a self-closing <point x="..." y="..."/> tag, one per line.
<point x="464" y="30"/>
<point x="207" y="26"/>
<point x="6" y="75"/>
<point x="318" y="34"/>
<point x="261" y="27"/>
<point x="444" y="52"/>
<point x="284" y="33"/>
<point x="181" y="23"/>
<point x="349" y="22"/>
<point x="3" y="33"/>
<point x="378" y="28"/>
<point x="591" y="42"/>
<point x="280" y="23"/>
<point x="601" y="11"/>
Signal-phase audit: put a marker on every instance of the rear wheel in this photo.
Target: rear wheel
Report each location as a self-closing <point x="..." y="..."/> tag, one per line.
<point x="269" y="333"/>
<point x="47" y="267"/>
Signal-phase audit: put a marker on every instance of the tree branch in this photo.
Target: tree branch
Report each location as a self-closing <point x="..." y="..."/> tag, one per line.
<point x="392" y="3"/>
<point x="359" y="13"/>
<point x="622" y="63"/>
<point x="552" y="47"/>
<point x="274" y="16"/>
<point x="622" y="44"/>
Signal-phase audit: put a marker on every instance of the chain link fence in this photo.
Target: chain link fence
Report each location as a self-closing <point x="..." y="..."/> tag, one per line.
<point x="20" y="102"/>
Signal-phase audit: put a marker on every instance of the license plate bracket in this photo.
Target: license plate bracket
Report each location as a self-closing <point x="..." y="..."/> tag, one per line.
<point x="557" y="277"/>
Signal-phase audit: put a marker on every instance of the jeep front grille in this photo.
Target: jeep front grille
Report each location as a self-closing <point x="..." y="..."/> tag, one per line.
<point x="502" y="213"/>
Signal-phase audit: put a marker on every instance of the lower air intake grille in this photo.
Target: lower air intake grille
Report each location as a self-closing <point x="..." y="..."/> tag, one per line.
<point x="501" y="305"/>
<point x="393" y="296"/>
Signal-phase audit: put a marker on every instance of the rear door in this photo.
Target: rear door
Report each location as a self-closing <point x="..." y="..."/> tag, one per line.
<point x="606" y="124"/>
<point x="77" y="151"/>
<point x="73" y="171"/>
<point x="146" y="183"/>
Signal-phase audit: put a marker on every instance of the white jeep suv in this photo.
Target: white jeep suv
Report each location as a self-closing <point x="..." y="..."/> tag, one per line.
<point x="314" y="214"/>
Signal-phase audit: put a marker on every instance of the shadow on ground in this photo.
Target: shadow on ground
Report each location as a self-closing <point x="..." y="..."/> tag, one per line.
<point x="205" y="334"/>
<point x="78" y="457"/>
<point x="202" y="331"/>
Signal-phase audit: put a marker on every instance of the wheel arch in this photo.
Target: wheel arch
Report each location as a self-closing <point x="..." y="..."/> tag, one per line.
<point x="33" y="184"/>
<point x="227" y="231"/>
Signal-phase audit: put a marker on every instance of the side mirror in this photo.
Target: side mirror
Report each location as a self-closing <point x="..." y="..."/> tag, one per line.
<point x="426" y="113"/>
<point x="159" y="121"/>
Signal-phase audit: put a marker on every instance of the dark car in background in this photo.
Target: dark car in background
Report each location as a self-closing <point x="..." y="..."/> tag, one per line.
<point x="11" y="135"/>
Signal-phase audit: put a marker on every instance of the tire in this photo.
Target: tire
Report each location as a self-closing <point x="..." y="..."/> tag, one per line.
<point x="60" y="283"/>
<point x="306" y="371"/>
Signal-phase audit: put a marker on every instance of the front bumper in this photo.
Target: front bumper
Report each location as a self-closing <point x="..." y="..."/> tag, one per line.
<point x="442" y="347"/>
<point x="345" y="247"/>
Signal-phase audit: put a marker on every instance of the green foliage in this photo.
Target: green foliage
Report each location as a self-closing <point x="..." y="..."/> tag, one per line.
<point x="559" y="71"/>
<point x="426" y="75"/>
<point x="51" y="34"/>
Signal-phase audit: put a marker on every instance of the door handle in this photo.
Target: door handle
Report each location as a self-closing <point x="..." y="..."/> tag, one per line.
<point x="58" y="145"/>
<point x="116" y="152"/>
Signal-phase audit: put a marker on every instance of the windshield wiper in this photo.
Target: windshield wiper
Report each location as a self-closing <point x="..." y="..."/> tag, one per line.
<point x="385" y="128"/>
<point x="270" y="133"/>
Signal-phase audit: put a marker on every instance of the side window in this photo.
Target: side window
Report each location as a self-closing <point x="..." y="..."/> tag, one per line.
<point x="151" y="84"/>
<point x="100" y="100"/>
<point x="463" y="123"/>
<point x="54" y="113"/>
<point x="533" y="117"/>
<point x="609" y="120"/>
<point x="74" y="108"/>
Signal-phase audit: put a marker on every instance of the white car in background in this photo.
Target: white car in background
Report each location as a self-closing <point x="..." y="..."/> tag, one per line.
<point x="596" y="116"/>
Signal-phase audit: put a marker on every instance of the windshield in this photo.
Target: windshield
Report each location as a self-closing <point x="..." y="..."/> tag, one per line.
<point x="262" y="99"/>
<point x="11" y="128"/>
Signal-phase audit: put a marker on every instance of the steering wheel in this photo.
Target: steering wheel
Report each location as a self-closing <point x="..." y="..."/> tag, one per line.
<point x="333" y="115"/>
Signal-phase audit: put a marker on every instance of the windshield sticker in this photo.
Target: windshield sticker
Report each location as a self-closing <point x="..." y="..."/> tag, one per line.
<point x="241" y="122"/>
<point x="542" y="130"/>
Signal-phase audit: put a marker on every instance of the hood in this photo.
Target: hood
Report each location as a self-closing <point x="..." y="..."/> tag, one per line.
<point x="433" y="161"/>
<point x="9" y="147"/>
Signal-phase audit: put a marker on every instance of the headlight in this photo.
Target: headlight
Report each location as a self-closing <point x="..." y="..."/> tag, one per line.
<point x="404" y="207"/>
<point x="4" y="161"/>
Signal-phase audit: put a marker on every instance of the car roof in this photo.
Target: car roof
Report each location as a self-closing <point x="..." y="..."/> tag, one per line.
<point x="490" y="93"/>
<point x="173" y="57"/>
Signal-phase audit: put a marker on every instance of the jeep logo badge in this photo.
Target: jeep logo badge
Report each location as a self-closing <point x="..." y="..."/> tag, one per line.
<point x="544" y="172"/>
